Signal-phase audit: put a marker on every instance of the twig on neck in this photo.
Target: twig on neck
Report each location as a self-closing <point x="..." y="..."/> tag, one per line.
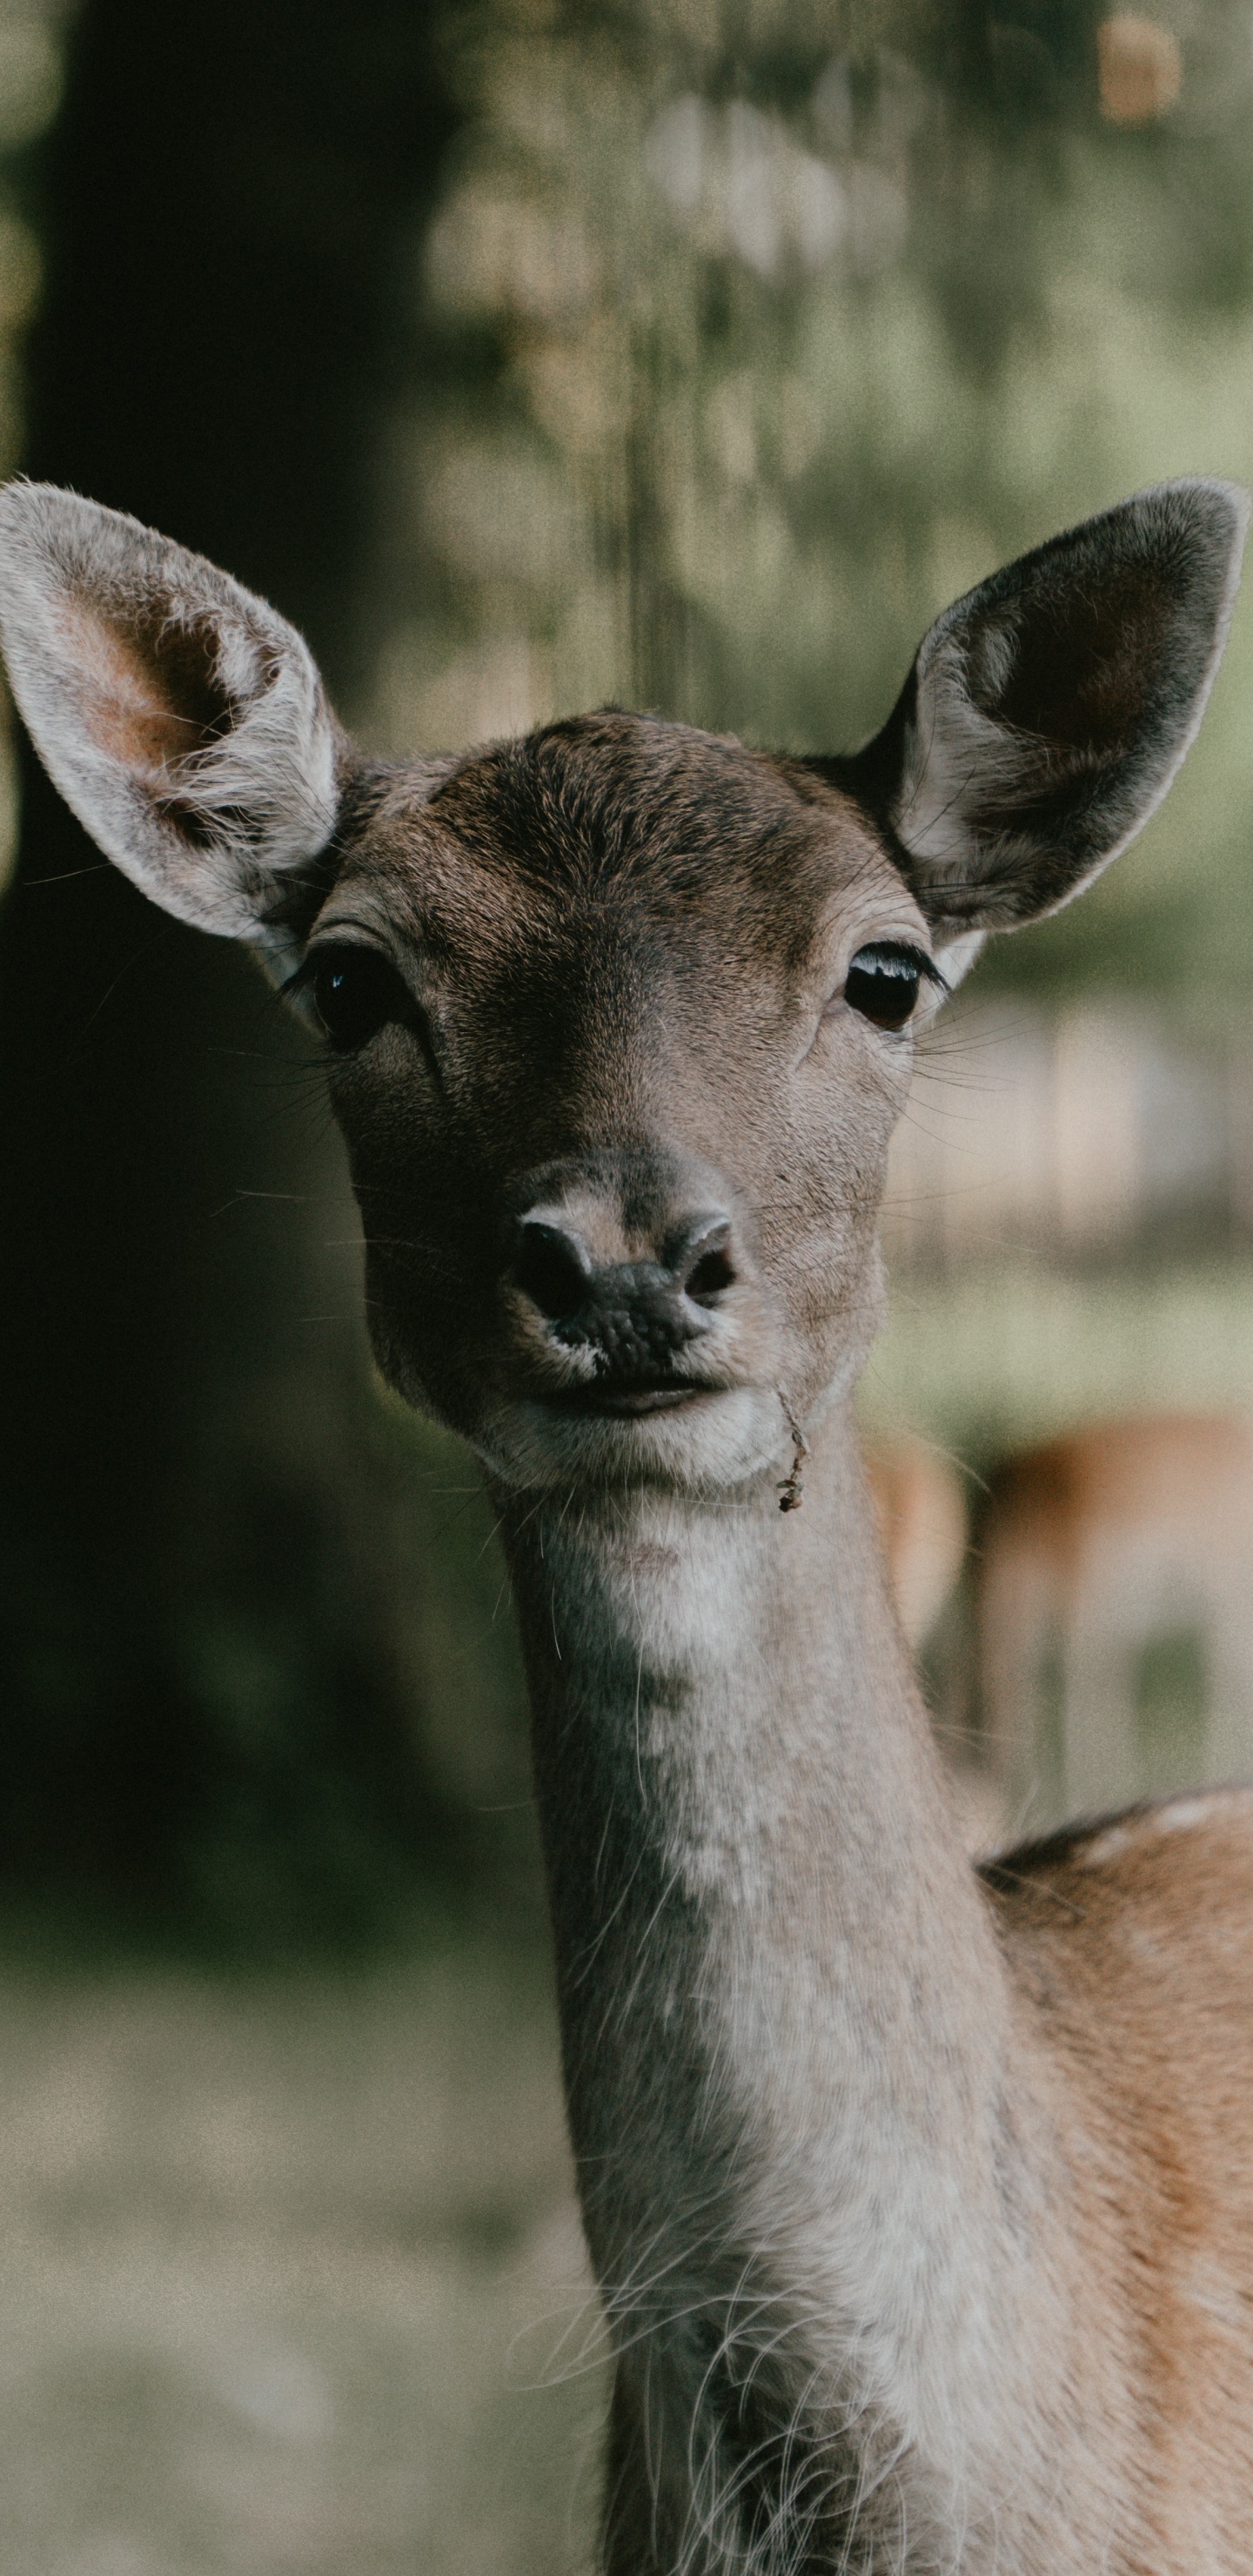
<point x="791" y="1495"/>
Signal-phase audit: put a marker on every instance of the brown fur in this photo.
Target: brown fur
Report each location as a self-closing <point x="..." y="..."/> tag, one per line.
<point x="1131" y="1942"/>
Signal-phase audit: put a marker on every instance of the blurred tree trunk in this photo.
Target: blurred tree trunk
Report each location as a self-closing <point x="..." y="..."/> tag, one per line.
<point x="229" y="197"/>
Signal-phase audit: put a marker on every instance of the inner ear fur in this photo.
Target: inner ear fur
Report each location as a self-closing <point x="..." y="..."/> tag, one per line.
<point x="1048" y="710"/>
<point x="153" y="692"/>
<point x="180" y="716"/>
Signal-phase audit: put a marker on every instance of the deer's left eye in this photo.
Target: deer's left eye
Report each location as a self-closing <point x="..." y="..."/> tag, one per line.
<point x="882" y="983"/>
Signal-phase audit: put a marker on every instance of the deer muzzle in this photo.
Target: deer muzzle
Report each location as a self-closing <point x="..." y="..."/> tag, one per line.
<point x="635" y="1320"/>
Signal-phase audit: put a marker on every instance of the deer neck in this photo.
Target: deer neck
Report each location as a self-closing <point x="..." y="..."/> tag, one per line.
<point x="786" y="2028"/>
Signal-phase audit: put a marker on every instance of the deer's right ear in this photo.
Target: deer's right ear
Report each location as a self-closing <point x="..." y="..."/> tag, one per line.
<point x="182" y="719"/>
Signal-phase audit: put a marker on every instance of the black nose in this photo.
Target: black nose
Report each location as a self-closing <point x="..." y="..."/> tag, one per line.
<point x="637" y="1315"/>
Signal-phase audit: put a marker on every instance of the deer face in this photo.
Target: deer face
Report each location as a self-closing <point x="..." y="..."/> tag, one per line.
<point x="619" y="1017"/>
<point x="616" y="1108"/>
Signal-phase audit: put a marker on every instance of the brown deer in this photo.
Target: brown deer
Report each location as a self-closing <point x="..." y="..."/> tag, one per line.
<point x="919" y="1509"/>
<point x="1108" y="1551"/>
<point x="921" y="2201"/>
<point x="920" y="1517"/>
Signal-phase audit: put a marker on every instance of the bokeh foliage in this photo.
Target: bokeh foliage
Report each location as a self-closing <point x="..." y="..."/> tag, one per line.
<point x="769" y="329"/>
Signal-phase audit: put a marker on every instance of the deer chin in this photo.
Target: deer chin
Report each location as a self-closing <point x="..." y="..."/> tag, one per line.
<point x="705" y="1441"/>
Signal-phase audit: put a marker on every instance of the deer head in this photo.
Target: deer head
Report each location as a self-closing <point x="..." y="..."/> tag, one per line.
<point x="619" y="1017"/>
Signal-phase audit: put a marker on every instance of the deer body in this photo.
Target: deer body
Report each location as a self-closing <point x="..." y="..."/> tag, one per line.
<point x="919" y="2200"/>
<point x="1093" y="1546"/>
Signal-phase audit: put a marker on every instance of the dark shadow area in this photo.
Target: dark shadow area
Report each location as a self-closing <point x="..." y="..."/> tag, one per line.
<point x="206" y="1721"/>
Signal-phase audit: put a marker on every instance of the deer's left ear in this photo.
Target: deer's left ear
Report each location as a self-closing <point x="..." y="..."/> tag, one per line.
<point x="181" y="717"/>
<point x="1048" y="710"/>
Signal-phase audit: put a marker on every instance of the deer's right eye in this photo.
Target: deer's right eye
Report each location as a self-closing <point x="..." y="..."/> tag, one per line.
<point x="356" y="993"/>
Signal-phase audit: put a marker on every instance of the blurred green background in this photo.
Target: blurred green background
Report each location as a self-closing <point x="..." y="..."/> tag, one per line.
<point x="527" y="356"/>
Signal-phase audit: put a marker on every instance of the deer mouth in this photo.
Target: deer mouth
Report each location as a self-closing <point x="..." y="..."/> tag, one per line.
<point x="615" y="1431"/>
<point x="628" y="1403"/>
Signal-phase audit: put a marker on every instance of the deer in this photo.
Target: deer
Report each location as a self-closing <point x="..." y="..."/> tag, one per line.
<point x="919" y="1508"/>
<point x="919" y="2196"/>
<point x="920" y="1516"/>
<point x="1096" y="1547"/>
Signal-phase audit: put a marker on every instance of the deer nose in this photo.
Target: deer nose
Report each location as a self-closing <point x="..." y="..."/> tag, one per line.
<point x="636" y="1314"/>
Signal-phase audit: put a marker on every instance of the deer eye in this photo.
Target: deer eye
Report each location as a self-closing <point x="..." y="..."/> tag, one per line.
<point x="356" y="993"/>
<point x="882" y="983"/>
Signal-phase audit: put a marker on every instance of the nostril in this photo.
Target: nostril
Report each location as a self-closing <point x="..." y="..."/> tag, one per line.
<point x="713" y="1272"/>
<point x="552" y="1267"/>
<point x="703" y="1260"/>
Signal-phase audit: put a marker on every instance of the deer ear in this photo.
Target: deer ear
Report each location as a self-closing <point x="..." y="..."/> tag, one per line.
<point x="182" y="719"/>
<point x="1048" y="710"/>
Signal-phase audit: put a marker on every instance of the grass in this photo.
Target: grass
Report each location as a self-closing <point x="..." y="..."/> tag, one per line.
<point x="292" y="2277"/>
